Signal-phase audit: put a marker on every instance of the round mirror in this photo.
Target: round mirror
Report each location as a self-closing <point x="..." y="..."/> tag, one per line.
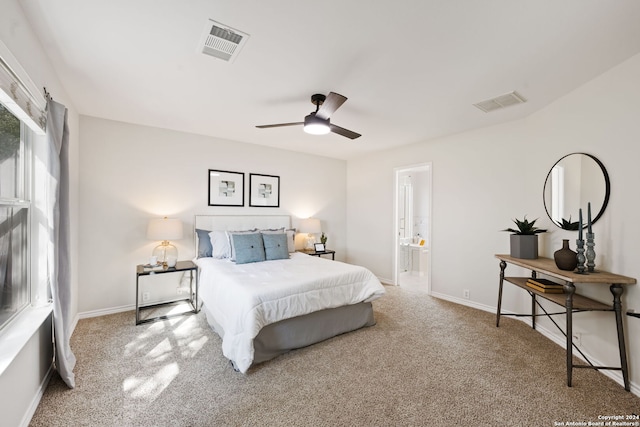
<point x="573" y="182"/>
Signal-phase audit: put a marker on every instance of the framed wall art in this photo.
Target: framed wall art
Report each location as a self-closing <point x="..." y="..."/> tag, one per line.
<point x="226" y="188"/>
<point x="264" y="190"/>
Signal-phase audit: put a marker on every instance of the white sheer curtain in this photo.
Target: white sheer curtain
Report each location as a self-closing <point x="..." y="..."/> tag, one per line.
<point x="59" y="267"/>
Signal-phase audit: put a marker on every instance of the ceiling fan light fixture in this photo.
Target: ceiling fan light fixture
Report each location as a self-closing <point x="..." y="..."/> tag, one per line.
<point x="315" y="125"/>
<point x="318" y="122"/>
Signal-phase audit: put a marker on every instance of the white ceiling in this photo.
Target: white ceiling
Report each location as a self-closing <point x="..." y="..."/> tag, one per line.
<point x="411" y="69"/>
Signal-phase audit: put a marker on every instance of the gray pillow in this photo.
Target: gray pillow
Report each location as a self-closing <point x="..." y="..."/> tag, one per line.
<point x="204" y="243"/>
<point x="275" y="246"/>
<point x="272" y="230"/>
<point x="248" y="247"/>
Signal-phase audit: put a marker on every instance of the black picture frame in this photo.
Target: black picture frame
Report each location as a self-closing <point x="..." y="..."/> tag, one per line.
<point x="264" y="191"/>
<point x="226" y="188"/>
<point x="319" y="247"/>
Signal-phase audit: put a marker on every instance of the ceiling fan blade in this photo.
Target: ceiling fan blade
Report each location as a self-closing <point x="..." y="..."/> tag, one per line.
<point x="279" y="125"/>
<point x="330" y="105"/>
<point x="344" y="132"/>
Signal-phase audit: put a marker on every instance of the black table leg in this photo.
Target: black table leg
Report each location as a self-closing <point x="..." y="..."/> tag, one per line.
<point x="503" y="265"/>
<point x="137" y="302"/>
<point x="617" y="290"/>
<point x="569" y="289"/>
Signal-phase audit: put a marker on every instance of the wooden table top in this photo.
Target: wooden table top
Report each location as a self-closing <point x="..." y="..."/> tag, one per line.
<point x="548" y="266"/>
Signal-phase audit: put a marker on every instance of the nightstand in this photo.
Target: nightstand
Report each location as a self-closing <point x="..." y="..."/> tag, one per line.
<point x="313" y="252"/>
<point x="181" y="266"/>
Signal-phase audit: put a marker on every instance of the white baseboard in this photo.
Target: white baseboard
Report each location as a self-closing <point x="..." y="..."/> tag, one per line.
<point x="384" y="281"/>
<point x="105" y="311"/>
<point x="462" y="301"/>
<point x="36" y="398"/>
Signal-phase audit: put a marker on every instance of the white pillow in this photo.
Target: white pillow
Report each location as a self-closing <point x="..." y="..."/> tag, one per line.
<point x="291" y="239"/>
<point x="220" y="245"/>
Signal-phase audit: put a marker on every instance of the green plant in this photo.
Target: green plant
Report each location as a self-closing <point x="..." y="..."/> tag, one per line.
<point x="568" y="225"/>
<point x="525" y="227"/>
<point x="323" y="238"/>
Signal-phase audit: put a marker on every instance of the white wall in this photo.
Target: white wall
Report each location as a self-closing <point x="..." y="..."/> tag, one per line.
<point x="28" y="371"/>
<point x="23" y="382"/>
<point x="132" y="173"/>
<point x="482" y="179"/>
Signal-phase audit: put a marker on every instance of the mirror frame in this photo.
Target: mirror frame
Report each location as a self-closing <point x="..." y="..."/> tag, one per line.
<point x="605" y="202"/>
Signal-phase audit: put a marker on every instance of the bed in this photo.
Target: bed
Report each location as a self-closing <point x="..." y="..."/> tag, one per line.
<point x="262" y="309"/>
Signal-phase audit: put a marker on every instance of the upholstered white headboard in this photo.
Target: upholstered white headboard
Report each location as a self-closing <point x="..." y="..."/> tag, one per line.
<point x="239" y="222"/>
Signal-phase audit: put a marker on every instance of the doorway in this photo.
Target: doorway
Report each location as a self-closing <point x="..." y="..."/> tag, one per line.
<point x="412" y="227"/>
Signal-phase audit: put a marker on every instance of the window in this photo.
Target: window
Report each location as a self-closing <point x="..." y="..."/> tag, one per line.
<point x="14" y="216"/>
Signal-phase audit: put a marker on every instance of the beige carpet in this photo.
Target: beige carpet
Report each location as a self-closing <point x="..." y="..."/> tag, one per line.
<point x="427" y="362"/>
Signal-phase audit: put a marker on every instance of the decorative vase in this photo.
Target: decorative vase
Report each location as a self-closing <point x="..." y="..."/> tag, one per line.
<point x="590" y="253"/>
<point x="565" y="258"/>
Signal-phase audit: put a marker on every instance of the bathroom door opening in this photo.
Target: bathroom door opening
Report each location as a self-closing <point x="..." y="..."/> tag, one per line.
<point x="412" y="227"/>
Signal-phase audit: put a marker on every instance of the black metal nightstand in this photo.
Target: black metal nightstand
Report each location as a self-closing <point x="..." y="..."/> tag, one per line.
<point x="313" y="252"/>
<point x="181" y="266"/>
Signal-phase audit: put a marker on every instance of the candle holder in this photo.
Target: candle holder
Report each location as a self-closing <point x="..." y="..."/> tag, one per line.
<point x="590" y="253"/>
<point x="581" y="257"/>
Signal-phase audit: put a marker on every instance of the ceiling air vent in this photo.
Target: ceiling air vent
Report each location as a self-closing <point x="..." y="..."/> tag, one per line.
<point x="502" y="101"/>
<point x="221" y="41"/>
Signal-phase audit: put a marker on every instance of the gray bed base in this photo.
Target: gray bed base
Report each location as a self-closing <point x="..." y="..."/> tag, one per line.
<point x="289" y="334"/>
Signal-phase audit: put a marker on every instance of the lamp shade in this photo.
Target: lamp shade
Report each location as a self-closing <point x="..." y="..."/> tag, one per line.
<point x="164" y="229"/>
<point x="310" y="226"/>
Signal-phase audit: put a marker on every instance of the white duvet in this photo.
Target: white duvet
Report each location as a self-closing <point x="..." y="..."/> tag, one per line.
<point x="243" y="298"/>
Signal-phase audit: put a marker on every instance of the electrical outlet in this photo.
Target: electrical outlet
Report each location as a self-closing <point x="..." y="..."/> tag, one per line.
<point x="145" y="296"/>
<point x="465" y="294"/>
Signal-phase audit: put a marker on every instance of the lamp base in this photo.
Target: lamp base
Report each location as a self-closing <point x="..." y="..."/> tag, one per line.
<point x="166" y="252"/>
<point x="311" y="240"/>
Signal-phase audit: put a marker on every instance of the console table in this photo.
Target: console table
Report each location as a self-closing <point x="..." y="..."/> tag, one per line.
<point x="572" y="303"/>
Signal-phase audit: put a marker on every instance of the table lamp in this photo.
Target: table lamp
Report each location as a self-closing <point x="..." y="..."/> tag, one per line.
<point x="311" y="226"/>
<point x="165" y="229"/>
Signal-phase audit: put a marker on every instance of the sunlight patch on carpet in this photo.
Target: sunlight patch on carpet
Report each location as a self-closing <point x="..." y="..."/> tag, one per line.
<point x="150" y="388"/>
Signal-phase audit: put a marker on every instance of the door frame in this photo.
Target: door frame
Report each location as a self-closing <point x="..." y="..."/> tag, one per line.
<point x="428" y="167"/>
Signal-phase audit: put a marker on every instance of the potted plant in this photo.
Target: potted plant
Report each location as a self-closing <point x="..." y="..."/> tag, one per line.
<point x="568" y="224"/>
<point x="524" y="239"/>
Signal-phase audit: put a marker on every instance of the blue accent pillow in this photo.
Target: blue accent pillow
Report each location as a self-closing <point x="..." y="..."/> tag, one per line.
<point x="248" y="247"/>
<point x="204" y="243"/>
<point x="275" y="246"/>
<point x="230" y="237"/>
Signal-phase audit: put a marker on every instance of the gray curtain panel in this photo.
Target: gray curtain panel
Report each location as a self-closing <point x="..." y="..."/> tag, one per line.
<point x="60" y="266"/>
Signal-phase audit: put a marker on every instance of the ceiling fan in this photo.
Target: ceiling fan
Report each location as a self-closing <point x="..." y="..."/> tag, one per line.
<point x="318" y="123"/>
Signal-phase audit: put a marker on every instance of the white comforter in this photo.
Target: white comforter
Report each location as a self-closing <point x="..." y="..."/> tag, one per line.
<point x="246" y="297"/>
